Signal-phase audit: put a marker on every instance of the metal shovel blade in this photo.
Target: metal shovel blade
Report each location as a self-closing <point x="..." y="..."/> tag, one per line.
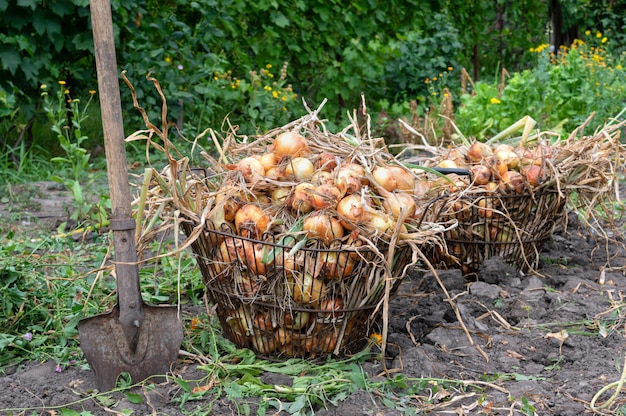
<point x="105" y="345"/>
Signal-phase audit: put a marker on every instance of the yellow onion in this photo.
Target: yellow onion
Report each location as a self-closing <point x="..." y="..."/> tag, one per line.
<point x="513" y="181"/>
<point x="327" y="342"/>
<point x="332" y="309"/>
<point x="268" y="160"/>
<point x="301" y="168"/>
<point x="296" y="320"/>
<point x="321" y="177"/>
<point x="353" y="210"/>
<point x="333" y="266"/>
<point x="507" y="156"/>
<point x="283" y="336"/>
<point x="485" y="207"/>
<point x="300" y="198"/>
<point x="253" y="254"/>
<point x="324" y="226"/>
<point x="251" y="169"/>
<point x="381" y="223"/>
<point x="491" y="187"/>
<point x="276" y="173"/>
<point x="448" y="164"/>
<point x="280" y="195"/>
<point x="393" y="177"/>
<point x="326" y="162"/>
<point x="290" y="143"/>
<point x="264" y="344"/>
<point x="248" y="286"/>
<point x="479" y="151"/>
<point x="240" y="321"/>
<point x="481" y="174"/>
<point x="251" y="221"/>
<point x="325" y="195"/>
<point x="397" y="203"/>
<point x="350" y="178"/>
<point x="307" y="289"/>
<point x="534" y="174"/>
<point x="263" y="321"/>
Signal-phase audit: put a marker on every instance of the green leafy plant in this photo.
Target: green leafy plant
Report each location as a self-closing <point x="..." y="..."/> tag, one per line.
<point x="66" y="115"/>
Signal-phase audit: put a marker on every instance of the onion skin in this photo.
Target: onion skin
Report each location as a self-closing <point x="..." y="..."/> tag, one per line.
<point x="513" y="181"/>
<point x="326" y="162"/>
<point x="308" y="289"/>
<point x="301" y="168"/>
<point x="481" y="174"/>
<point x="251" y="221"/>
<point x="323" y="226"/>
<point x="350" y="178"/>
<point x="535" y="175"/>
<point x="326" y="196"/>
<point x="300" y="198"/>
<point x="352" y="211"/>
<point x="251" y="169"/>
<point x="448" y="163"/>
<point x="479" y="151"/>
<point x="398" y="203"/>
<point x="268" y="160"/>
<point x="290" y="143"/>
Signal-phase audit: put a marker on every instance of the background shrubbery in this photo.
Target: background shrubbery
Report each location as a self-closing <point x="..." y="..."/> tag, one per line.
<point x="256" y="61"/>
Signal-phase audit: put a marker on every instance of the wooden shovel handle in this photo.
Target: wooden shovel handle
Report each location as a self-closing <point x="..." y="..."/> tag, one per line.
<point x="122" y="223"/>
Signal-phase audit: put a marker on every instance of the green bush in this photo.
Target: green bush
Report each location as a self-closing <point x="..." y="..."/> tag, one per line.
<point x="560" y="92"/>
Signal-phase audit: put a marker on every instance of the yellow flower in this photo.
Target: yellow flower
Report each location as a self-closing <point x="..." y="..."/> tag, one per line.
<point x="284" y="108"/>
<point x="494" y="100"/>
<point x="66" y="91"/>
<point x="43" y="86"/>
<point x="427" y="80"/>
<point x="233" y="86"/>
<point x="434" y="78"/>
<point x="605" y="39"/>
<point x="62" y="83"/>
<point x="215" y="78"/>
<point x="92" y="92"/>
<point x="599" y="35"/>
<point x="168" y="59"/>
<point x="267" y="88"/>
<point x="376" y="338"/>
<point x="275" y="94"/>
<point x="618" y="67"/>
<point x="284" y="98"/>
<point x="268" y="66"/>
<point x="587" y="32"/>
<point x="450" y="68"/>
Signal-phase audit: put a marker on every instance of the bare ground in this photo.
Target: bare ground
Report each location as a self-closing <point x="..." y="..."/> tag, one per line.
<point x="547" y="341"/>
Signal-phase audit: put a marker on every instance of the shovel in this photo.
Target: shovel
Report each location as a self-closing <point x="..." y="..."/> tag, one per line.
<point x="133" y="338"/>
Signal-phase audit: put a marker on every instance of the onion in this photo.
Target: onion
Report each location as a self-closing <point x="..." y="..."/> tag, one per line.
<point x="405" y="181"/>
<point x="323" y="226"/>
<point x="297" y="320"/>
<point x="381" y="223"/>
<point x="263" y="321"/>
<point x="276" y="173"/>
<point x="397" y="203"/>
<point x="308" y="289"/>
<point x="251" y="221"/>
<point x="248" y="286"/>
<point x="328" y="341"/>
<point x="253" y="254"/>
<point x="491" y="187"/>
<point x="251" y="169"/>
<point x="283" y="336"/>
<point x="501" y="168"/>
<point x="479" y="151"/>
<point x="509" y="157"/>
<point x="326" y="162"/>
<point x="240" y="321"/>
<point x="268" y="160"/>
<point x="352" y="211"/>
<point x="535" y="175"/>
<point x="447" y="164"/>
<point x="393" y="177"/>
<point x="513" y="181"/>
<point x="350" y="179"/>
<point x="321" y="177"/>
<point x="264" y="344"/>
<point x="333" y="307"/>
<point x="481" y="174"/>
<point x="290" y="143"/>
<point x="301" y="168"/>
<point x="326" y="195"/>
<point x="485" y="207"/>
<point x="333" y="266"/>
<point x="422" y="188"/>
<point x="300" y="198"/>
<point x="280" y="194"/>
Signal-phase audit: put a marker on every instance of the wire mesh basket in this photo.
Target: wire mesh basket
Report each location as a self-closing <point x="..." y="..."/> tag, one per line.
<point x="513" y="226"/>
<point x="288" y="299"/>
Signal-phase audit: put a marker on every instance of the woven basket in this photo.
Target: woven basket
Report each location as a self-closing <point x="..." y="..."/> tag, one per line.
<point x="309" y="304"/>
<point x="514" y="227"/>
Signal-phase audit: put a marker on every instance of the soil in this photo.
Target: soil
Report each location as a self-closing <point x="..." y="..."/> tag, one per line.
<point x="547" y="341"/>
